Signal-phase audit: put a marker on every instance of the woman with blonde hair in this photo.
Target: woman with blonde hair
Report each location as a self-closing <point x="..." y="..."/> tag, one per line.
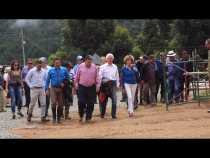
<point x="129" y="80"/>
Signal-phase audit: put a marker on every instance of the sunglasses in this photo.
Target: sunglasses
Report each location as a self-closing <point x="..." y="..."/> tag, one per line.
<point x="30" y="63"/>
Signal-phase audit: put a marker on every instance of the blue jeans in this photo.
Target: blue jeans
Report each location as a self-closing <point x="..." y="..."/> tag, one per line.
<point x="16" y="99"/>
<point x="174" y="92"/>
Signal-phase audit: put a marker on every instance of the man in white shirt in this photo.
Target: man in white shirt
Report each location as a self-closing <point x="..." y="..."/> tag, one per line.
<point x="35" y="79"/>
<point x="109" y="78"/>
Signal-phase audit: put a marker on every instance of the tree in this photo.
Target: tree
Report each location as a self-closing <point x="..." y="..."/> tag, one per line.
<point x="88" y="35"/>
<point x="120" y="43"/>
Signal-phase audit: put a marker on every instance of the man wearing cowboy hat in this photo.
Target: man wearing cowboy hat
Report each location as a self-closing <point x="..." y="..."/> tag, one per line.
<point x="174" y="73"/>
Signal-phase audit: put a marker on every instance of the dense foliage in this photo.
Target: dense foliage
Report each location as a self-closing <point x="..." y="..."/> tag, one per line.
<point x="80" y="37"/>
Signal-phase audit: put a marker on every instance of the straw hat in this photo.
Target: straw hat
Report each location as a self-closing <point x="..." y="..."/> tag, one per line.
<point x="171" y="54"/>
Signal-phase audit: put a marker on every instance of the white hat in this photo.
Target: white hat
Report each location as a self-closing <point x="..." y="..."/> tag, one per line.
<point x="79" y="57"/>
<point x="1" y="66"/>
<point x="171" y="54"/>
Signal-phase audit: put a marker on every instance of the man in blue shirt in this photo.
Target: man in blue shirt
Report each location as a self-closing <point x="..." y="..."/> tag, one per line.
<point x="56" y="77"/>
<point x="159" y="77"/>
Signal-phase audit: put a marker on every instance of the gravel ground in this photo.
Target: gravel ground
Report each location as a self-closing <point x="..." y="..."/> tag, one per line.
<point x="7" y="124"/>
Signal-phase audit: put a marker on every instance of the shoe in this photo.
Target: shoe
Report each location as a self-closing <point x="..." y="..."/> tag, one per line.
<point x="43" y="119"/>
<point x="29" y="117"/>
<point x="54" y="121"/>
<point x="114" y="117"/>
<point x="135" y="107"/>
<point x="102" y="116"/>
<point x="13" y="116"/>
<point x="88" y="120"/>
<point x="59" y="121"/>
<point x="131" y="114"/>
<point x="67" y="118"/>
<point x="20" y="114"/>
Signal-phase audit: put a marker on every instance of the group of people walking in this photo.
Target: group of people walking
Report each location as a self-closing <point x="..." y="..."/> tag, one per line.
<point x="55" y="85"/>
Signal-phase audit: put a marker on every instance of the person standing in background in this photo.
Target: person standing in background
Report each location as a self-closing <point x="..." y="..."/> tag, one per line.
<point x="2" y="103"/>
<point x="14" y="86"/>
<point x="160" y="78"/>
<point x="139" y="66"/>
<point x="67" y="91"/>
<point x="79" y="60"/>
<point x="24" y="72"/>
<point x="5" y="77"/>
<point x="149" y="81"/>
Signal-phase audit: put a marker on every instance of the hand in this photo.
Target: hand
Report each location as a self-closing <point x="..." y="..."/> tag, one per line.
<point x="142" y="82"/>
<point x="97" y="90"/>
<point x="47" y="92"/>
<point x="62" y="85"/>
<point x="74" y="92"/>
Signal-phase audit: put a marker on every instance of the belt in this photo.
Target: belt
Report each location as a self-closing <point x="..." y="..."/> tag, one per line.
<point x="56" y="87"/>
<point x="37" y="87"/>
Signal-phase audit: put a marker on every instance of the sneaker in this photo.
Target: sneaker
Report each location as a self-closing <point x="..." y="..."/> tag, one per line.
<point x="54" y="121"/>
<point x="29" y="118"/>
<point x="59" y="121"/>
<point x="20" y="114"/>
<point x="43" y="119"/>
<point x="13" y="116"/>
<point x="114" y="117"/>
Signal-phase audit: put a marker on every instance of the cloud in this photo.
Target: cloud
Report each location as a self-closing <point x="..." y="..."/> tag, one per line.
<point x="25" y="23"/>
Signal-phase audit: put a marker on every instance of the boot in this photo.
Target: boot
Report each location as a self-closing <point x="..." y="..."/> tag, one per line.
<point x="20" y="113"/>
<point x="54" y="114"/>
<point x="29" y="117"/>
<point x="67" y="113"/>
<point x="13" y="116"/>
<point x="59" y="114"/>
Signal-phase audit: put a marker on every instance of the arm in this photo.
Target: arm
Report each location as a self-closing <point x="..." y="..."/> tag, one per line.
<point x="76" y="80"/>
<point x="47" y="81"/>
<point x="97" y="80"/>
<point x="122" y="77"/>
<point x="28" y="78"/>
<point x="118" y="78"/>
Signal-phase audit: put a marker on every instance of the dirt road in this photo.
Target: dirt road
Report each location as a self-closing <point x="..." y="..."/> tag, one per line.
<point x="182" y="121"/>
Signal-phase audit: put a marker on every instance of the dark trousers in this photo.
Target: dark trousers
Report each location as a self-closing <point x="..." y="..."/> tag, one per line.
<point x="160" y="84"/>
<point x="27" y="94"/>
<point x="86" y="100"/>
<point x="113" y="97"/>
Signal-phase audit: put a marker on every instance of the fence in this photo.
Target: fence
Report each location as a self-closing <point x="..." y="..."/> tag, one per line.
<point x="198" y="86"/>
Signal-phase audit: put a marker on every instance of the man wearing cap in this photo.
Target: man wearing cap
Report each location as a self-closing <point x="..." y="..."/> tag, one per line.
<point x="2" y="104"/>
<point x="35" y="79"/>
<point x="79" y="61"/>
